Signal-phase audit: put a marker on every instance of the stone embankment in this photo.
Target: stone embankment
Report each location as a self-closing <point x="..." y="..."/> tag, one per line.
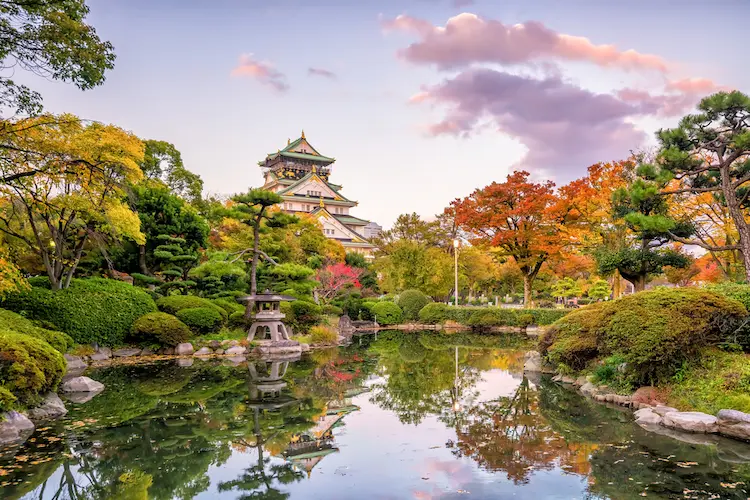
<point x="650" y="413"/>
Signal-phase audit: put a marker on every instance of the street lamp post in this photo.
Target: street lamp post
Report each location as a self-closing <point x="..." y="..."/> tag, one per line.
<point x="455" y="258"/>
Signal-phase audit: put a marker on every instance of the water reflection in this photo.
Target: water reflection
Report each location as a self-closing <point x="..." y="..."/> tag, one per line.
<point x="437" y="416"/>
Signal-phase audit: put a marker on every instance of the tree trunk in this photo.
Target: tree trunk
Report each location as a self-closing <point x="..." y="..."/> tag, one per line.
<point x="730" y="195"/>
<point x="528" y="302"/>
<point x="142" y="260"/>
<point x="639" y="283"/>
<point x="254" y="265"/>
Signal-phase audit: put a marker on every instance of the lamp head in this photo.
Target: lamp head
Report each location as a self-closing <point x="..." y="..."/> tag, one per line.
<point x="455" y="243"/>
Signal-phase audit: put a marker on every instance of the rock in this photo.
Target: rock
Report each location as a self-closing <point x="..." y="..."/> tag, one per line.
<point x="663" y="410"/>
<point x="147" y="352"/>
<point x="600" y="397"/>
<point x="649" y="395"/>
<point x="580" y="381"/>
<point x="622" y="400"/>
<point x="588" y="389"/>
<point x="647" y="416"/>
<point x="219" y="351"/>
<point x="276" y="348"/>
<point x="15" y="428"/>
<point x="230" y="343"/>
<point x="734" y="423"/>
<point x="203" y="351"/>
<point x="557" y="378"/>
<point x="533" y="362"/>
<point x="185" y="362"/>
<point x="126" y="353"/>
<point x="691" y="421"/>
<point x="168" y="351"/>
<point x="51" y="408"/>
<point x="214" y="344"/>
<point x="184" y="349"/>
<point x="235" y="351"/>
<point x="75" y="363"/>
<point x="81" y="384"/>
<point x="103" y="354"/>
<point x="305" y="347"/>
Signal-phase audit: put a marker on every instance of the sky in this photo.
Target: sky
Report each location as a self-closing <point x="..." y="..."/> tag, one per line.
<point x="419" y="101"/>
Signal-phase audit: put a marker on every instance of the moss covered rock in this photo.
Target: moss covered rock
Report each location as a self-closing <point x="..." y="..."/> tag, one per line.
<point x="29" y="367"/>
<point x="653" y="331"/>
<point x="160" y="328"/>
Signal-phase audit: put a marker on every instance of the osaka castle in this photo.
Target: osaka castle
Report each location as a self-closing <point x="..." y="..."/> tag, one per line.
<point x="300" y="174"/>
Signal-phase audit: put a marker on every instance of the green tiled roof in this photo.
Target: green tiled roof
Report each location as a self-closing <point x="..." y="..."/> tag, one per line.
<point x="303" y="179"/>
<point x="301" y="156"/>
<point x="350" y="219"/>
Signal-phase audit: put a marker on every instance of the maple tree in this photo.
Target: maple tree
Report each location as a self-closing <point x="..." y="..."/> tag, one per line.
<point x="334" y="278"/>
<point x="63" y="184"/>
<point x="519" y="218"/>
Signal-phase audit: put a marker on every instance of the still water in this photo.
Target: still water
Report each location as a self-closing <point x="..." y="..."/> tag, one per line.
<point x="400" y="416"/>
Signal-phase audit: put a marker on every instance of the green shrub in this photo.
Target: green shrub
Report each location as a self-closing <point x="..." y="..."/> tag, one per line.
<point x="29" y="367"/>
<point x="17" y="323"/>
<point x="301" y="315"/>
<point x="237" y="319"/>
<point x="365" y="313"/>
<point x="488" y="317"/>
<point x="525" y="319"/>
<point x="172" y="304"/>
<point x="331" y="310"/>
<point x="411" y="302"/>
<point x="653" y="331"/>
<point x="387" y="313"/>
<point x="320" y="334"/>
<point x="7" y="399"/>
<point x="737" y="291"/>
<point x="433" y="313"/>
<point x="159" y="328"/>
<point x="90" y="310"/>
<point x="201" y="319"/>
<point x="229" y="305"/>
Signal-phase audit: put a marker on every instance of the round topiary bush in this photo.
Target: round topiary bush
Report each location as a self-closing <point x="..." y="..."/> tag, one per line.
<point x="237" y="319"/>
<point x="331" y="310"/>
<point x="159" y="328"/>
<point x="229" y="305"/>
<point x="387" y="313"/>
<point x="17" y="323"/>
<point x="29" y="367"/>
<point x="433" y="313"/>
<point x="411" y="302"/>
<point x="301" y="315"/>
<point x="653" y="331"/>
<point x="172" y="304"/>
<point x="90" y="310"/>
<point x="201" y="319"/>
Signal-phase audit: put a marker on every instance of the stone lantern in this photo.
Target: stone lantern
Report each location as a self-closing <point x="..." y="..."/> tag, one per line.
<point x="267" y="316"/>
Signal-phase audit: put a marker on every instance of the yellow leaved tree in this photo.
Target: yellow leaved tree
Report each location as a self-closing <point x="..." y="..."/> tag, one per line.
<point x="62" y="184"/>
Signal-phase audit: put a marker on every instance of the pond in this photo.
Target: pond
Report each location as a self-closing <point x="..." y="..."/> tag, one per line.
<point x="397" y="415"/>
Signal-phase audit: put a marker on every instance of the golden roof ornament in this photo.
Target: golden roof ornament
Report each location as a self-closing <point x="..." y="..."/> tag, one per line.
<point x="322" y="205"/>
<point x="303" y="133"/>
<point x="288" y="141"/>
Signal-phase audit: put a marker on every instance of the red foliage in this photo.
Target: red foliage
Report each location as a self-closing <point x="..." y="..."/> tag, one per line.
<point x="335" y="277"/>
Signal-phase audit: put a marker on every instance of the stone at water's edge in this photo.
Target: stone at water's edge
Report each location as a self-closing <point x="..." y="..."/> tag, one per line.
<point x="662" y="410"/>
<point x="214" y="344"/>
<point x="691" y="421"/>
<point x="588" y="389"/>
<point x="15" y="428"/>
<point x="81" y="384"/>
<point x="51" y="408"/>
<point x="75" y="363"/>
<point x="235" y="351"/>
<point x="228" y="342"/>
<point x="647" y="416"/>
<point x="203" y="351"/>
<point x="305" y="347"/>
<point x="126" y="353"/>
<point x="648" y="395"/>
<point x="184" y="349"/>
<point x="734" y="423"/>
<point x="103" y="354"/>
<point x="219" y="351"/>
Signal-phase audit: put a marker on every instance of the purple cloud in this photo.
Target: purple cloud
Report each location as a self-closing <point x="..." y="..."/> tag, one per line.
<point x="321" y="72"/>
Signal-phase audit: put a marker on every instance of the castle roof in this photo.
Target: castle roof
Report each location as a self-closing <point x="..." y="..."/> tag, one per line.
<point x="292" y="151"/>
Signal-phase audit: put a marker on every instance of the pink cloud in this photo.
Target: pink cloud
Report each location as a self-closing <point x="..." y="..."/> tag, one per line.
<point x="466" y="39"/>
<point x="565" y="128"/>
<point x="264" y="72"/>
<point x="678" y="96"/>
<point x="321" y="72"/>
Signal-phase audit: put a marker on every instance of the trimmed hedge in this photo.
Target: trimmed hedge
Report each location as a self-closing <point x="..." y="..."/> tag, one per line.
<point x="160" y="328"/>
<point x="29" y="368"/>
<point x="301" y="315"/>
<point x="172" y="304"/>
<point x="437" y="313"/>
<point x="201" y="319"/>
<point x="387" y="313"/>
<point x="229" y="305"/>
<point x="17" y="323"/>
<point x="653" y="331"/>
<point x="90" y="310"/>
<point x="737" y="291"/>
<point x="411" y="302"/>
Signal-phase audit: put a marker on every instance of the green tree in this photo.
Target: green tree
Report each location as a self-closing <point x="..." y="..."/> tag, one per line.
<point x="709" y="152"/>
<point x="52" y="40"/>
<point x="599" y="290"/>
<point x="639" y="255"/>
<point x="254" y="209"/>
<point x="163" y="161"/>
<point x="566" y="287"/>
<point x="413" y="265"/>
